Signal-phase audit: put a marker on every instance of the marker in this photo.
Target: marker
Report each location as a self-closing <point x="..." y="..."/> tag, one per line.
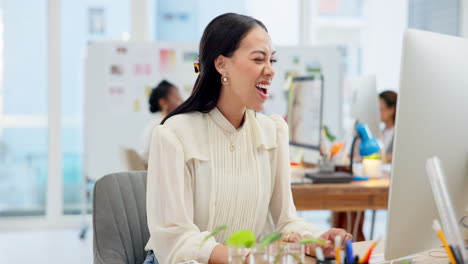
<point x="438" y="229"/>
<point x="319" y="254"/>
<point x="366" y="257"/>
<point x="337" y="249"/>
<point x="355" y="260"/>
<point x="349" y="251"/>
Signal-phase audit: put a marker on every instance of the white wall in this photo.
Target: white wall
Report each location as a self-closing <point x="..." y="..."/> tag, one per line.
<point x="280" y="17"/>
<point x="210" y="9"/>
<point x="383" y="40"/>
<point x="464" y="18"/>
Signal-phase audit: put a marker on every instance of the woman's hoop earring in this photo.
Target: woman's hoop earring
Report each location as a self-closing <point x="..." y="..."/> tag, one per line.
<point x="224" y="79"/>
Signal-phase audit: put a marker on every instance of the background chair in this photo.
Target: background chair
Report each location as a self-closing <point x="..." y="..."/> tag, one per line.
<point x="132" y="160"/>
<point x="119" y="218"/>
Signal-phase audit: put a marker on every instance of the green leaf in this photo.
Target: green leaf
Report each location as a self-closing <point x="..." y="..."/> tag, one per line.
<point x="296" y="257"/>
<point x="242" y="238"/>
<point x="217" y="230"/>
<point x="213" y="233"/>
<point x="313" y="240"/>
<point x="328" y="133"/>
<point x="270" y="239"/>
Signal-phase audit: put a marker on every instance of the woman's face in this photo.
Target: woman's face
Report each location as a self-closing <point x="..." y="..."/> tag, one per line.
<point x="173" y="100"/>
<point x="250" y="70"/>
<point x="386" y="113"/>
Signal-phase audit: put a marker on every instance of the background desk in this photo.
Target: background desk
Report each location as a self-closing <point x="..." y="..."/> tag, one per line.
<point x="341" y="197"/>
<point x="344" y="197"/>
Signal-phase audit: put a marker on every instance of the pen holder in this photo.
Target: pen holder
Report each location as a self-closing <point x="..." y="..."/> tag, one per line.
<point x="326" y="165"/>
<point x="237" y="255"/>
<point x="258" y="256"/>
<point x="286" y="253"/>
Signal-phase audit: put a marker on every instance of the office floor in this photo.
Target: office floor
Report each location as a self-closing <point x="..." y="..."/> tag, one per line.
<point x="63" y="245"/>
<point x="45" y="246"/>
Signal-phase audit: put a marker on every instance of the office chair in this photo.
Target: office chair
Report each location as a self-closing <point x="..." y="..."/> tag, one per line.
<point x="119" y="218"/>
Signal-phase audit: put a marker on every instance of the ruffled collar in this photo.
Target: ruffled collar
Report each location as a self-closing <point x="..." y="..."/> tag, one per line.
<point x="222" y="122"/>
<point x="263" y="128"/>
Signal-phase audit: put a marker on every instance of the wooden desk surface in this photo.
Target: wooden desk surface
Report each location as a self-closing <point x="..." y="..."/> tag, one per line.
<point x="354" y="196"/>
<point x="434" y="256"/>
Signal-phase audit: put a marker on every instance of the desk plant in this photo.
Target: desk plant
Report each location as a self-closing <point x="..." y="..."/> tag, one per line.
<point x="242" y="244"/>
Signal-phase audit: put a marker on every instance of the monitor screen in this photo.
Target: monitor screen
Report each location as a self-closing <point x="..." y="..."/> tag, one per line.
<point x="305" y="112"/>
<point x="365" y="103"/>
<point x="431" y="120"/>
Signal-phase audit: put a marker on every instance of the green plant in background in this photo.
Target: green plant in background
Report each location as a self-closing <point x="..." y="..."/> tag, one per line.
<point x="279" y="254"/>
<point x="213" y="233"/>
<point x="304" y="242"/>
<point x="242" y="238"/>
<point x="312" y="240"/>
<point x="247" y="239"/>
<point x="270" y="239"/>
<point x="329" y="134"/>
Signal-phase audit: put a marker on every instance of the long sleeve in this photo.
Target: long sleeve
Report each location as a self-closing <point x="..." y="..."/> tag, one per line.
<point x="146" y="137"/>
<point x="282" y="206"/>
<point x="173" y="235"/>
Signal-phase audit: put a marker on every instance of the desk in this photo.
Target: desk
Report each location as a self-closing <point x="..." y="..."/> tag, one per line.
<point x="431" y="256"/>
<point x="342" y="197"/>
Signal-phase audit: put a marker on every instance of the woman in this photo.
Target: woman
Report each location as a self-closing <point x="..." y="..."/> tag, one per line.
<point x="164" y="98"/>
<point x="215" y="161"/>
<point x="388" y="101"/>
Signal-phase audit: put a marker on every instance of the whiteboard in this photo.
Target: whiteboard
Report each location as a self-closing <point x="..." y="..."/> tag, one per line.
<point x="119" y="76"/>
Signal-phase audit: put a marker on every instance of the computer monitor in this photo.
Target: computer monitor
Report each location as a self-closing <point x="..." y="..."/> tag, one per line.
<point x="305" y="112"/>
<point x="431" y="119"/>
<point x="365" y="102"/>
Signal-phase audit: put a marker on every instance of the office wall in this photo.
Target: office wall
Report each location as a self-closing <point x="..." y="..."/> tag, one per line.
<point x="210" y="9"/>
<point x="464" y="18"/>
<point x="382" y="41"/>
<point x="280" y="17"/>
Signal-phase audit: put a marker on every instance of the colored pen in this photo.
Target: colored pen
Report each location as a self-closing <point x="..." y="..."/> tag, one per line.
<point x="366" y="257"/>
<point x="319" y="254"/>
<point x="349" y="251"/>
<point x="337" y="249"/>
<point x="438" y="229"/>
<point x="355" y="260"/>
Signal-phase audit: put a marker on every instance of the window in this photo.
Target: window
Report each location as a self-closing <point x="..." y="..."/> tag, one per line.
<point x="433" y="15"/>
<point x="82" y="22"/>
<point x="23" y="107"/>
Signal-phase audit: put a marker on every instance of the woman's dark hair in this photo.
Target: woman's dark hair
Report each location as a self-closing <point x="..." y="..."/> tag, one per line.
<point x="390" y="100"/>
<point x="160" y="91"/>
<point x="222" y="36"/>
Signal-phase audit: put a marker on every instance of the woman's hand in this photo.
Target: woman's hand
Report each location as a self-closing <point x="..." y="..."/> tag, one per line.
<point x="291" y="237"/>
<point x="329" y="238"/>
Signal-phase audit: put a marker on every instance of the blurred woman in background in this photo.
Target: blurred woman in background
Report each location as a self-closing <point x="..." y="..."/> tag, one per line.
<point x="388" y="101"/>
<point x="164" y="98"/>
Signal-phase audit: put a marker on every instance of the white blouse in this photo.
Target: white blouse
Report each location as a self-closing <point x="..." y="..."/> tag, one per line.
<point x="387" y="135"/>
<point x="204" y="173"/>
<point x="146" y="136"/>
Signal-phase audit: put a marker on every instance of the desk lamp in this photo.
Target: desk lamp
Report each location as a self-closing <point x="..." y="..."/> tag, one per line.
<point x="369" y="145"/>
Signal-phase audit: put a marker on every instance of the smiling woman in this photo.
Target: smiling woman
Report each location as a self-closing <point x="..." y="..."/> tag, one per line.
<point x="215" y="161"/>
<point x="231" y="67"/>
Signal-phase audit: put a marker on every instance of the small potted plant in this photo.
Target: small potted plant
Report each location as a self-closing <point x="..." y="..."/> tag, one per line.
<point x="240" y="245"/>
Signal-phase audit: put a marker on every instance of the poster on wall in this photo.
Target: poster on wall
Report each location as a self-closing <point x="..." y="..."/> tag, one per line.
<point x="167" y="60"/>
